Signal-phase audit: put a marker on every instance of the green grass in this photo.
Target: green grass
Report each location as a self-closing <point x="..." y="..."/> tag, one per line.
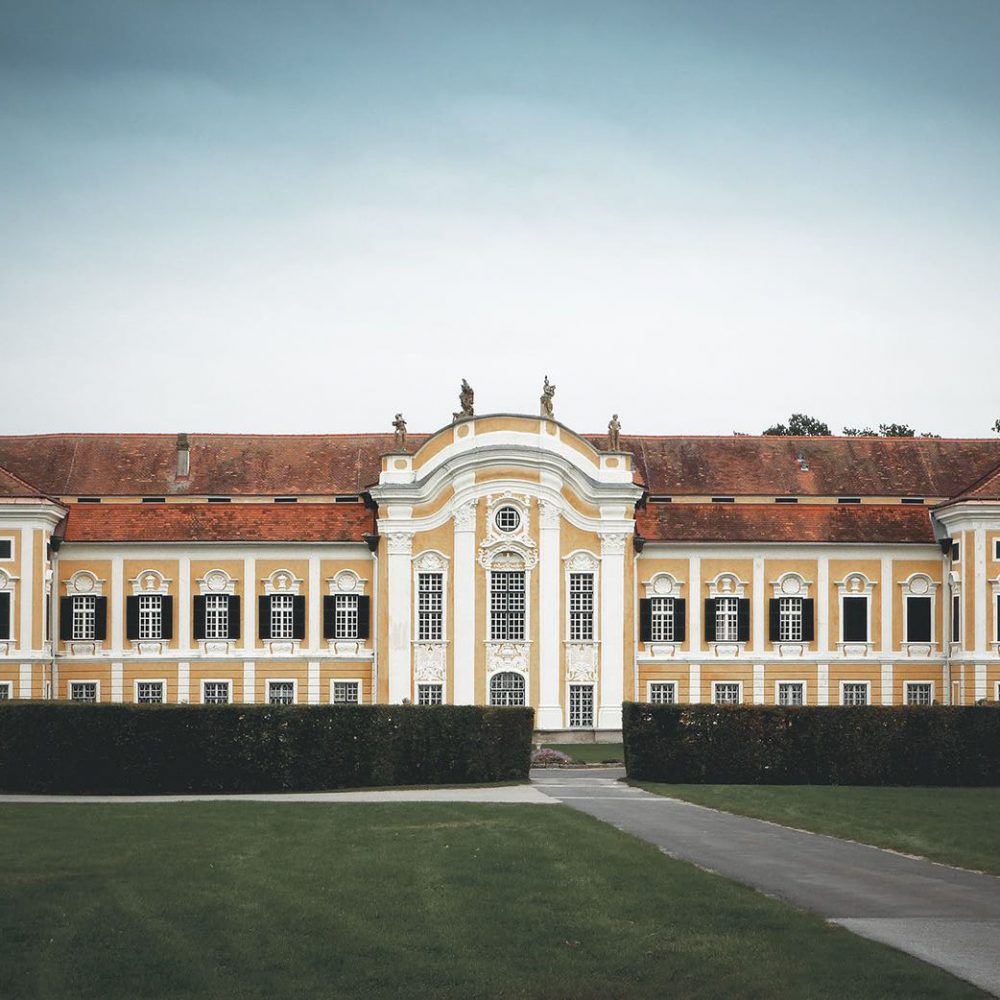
<point x="591" y="753"/>
<point x="252" y="900"/>
<point x="955" y="825"/>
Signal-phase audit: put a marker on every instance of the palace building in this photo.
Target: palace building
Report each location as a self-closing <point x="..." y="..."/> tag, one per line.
<point x="504" y="559"/>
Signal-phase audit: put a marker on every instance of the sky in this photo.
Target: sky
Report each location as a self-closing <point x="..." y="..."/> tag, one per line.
<point x="704" y="215"/>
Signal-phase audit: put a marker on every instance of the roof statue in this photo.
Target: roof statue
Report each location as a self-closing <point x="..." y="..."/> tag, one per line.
<point x="614" y="433"/>
<point x="399" y="426"/>
<point x="466" y="399"/>
<point x="548" y="391"/>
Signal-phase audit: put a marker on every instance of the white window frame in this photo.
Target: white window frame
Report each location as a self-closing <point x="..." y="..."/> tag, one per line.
<point x="13" y="545"/>
<point x="430" y="562"/>
<point x="727" y="621"/>
<point x="347" y="583"/>
<point x="8" y="586"/>
<point x="83" y="616"/>
<point x="790" y="618"/>
<point x="581" y="685"/>
<point x="72" y="684"/>
<point x="505" y="704"/>
<point x="581" y="607"/>
<point x="523" y="637"/>
<point x="868" y="692"/>
<point x="919" y="585"/>
<point x="664" y="684"/>
<point x="996" y="549"/>
<point x="802" y="684"/>
<point x="149" y="583"/>
<point x="346" y="621"/>
<point x="217" y="583"/>
<point x="281" y="680"/>
<point x="222" y="600"/>
<point x="228" y="681"/>
<point x="739" y="692"/>
<point x="427" y="686"/>
<point x="282" y="611"/>
<point x="149" y="680"/>
<point x="662" y="587"/>
<point x="855" y="584"/>
<point x="906" y="691"/>
<point x="154" y="610"/>
<point x="579" y="563"/>
<point x="334" y="681"/>
<point x="7" y="687"/>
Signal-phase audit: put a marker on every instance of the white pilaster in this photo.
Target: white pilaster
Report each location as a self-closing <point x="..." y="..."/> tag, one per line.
<point x="980" y="681"/>
<point x="887" y="683"/>
<point x="464" y="625"/>
<point x="117" y="682"/>
<point x="823" y="684"/>
<point x="24" y="685"/>
<point x="758" y="604"/>
<point x="116" y="601"/>
<point x="184" y="602"/>
<point x="183" y="682"/>
<point x="886" y="585"/>
<point x="400" y="628"/>
<point x="26" y="589"/>
<point x="758" y="683"/>
<point x="823" y="604"/>
<point x="609" y="713"/>
<point x="694" y="683"/>
<point x="249" y="602"/>
<point x="982" y="617"/>
<point x="695" y="604"/>
<point x="313" y="682"/>
<point x="549" y="616"/>
<point x="315" y="603"/>
<point x="249" y="682"/>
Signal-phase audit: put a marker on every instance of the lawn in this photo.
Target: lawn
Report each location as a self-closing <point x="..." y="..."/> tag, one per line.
<point x="252" y="900"/>
<point x="591" y="753"/>
<point x="955" y="825"/>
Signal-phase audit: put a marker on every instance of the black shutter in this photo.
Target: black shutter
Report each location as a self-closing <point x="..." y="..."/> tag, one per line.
<point x="646" y="619"/>
<point x="100" y="618"/>
<point x="918" y="619"/>
<point x="364" y="617"/>
<point x="329" y="617"/>
<point x="743" y="619"/>
<point x="167" y="617"/>
<point x="680" y="632"/>
<point x="263" y="617"/>
<point x="234" y="617"/>
<point x="808" y="619"/>
<point x="65" y="618"/>
<point x="298" y="617"/>
<point x="5" y="615"/>
<point x="855" y="626"/>
<point x="131" y="617"/>
<point x="710" y="619"/>
<point x="774" y="618"/>
<point x="198" y="625"/>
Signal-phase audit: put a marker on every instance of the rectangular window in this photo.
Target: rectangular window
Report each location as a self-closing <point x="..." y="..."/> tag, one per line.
<point x="581" y="606"/>
<point x="854" y="693"/>
<point x="83" y="690"/>
<point x="282" y="616"/>
<point x="918" y="619"/>
<point x="663" y="693"/>
<point x="6" y="548"/>
<point x="790" y="619"/>
<point x="956" y="552"/>
<point x="996" y="549"/>
<point x="726" y="693"/>
<point x="281" y="692"/>
<point x="217" y="616"/>
<point x="346" y="693"/>
<point x="581" y="705"/>
<point x="956" y="618"/>
<point x="507" y="605"/>
<point x="791" y="693"/>
<point x="150" y="616"/>
<point x="854" y="623"/>
<point x="149" y="692"/>
<point x="919" y="693"/>
<point x="345" y="616"/>
<point x="430" y="694"/>
<point x="662" y="619"/>
<point x="5" y="690"/>
<point x="84" y="617"/>
<point x="215" y="693"/>
<point x="430" y="606"/>
<point x="726" y="619"/>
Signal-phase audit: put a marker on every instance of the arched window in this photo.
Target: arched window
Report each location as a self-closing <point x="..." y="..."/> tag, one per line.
<point x="507" y="690"/>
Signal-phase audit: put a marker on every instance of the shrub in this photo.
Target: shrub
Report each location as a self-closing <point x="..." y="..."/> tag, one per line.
<point x="60" y="747"/>
<point x="695" y="744"/>
<point x="547" y="757"/>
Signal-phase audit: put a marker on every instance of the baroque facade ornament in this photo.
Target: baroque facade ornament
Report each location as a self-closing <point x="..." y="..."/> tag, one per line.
<point x="613" y="543"/>
<point x="466" y="402"/>
<point x="400" y="543"/>
<point x="502" y="656"/>
<point x="399" y="429"/>
<point x="465" y="516"/>
<point x="548" y="391"/>
<point x="581" y="661"/>
<point x="429" y="662"/>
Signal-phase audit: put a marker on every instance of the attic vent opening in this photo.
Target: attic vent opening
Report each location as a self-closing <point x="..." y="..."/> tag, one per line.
<point x="786" y="499"/>
<point x="286" y="499"/>
<point x="913" y="500"/>
<point x="659" y="498"/>
<point x="723" y="499"/>
<point x="220" y="499"/>
<point x="88" y="499"/>
<point x="154" y="499"/>
<point x="848" y="499"/>
<point x="347" y="499"/>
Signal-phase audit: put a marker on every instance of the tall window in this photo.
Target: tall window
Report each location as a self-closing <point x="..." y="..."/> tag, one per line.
<point x="726" y="693"/>
<point x="791" y="693"/>
<point x="346" y="693"/>
<point x="149" y="692"/>
<point x="150" y="616"/>
<point x="662" y="619"/>
<point x="663" y="692"/>
<point x="83" y="691"/>
<point x="918" y="619"/>
<point x="581" y="606"/>
<point x="216" y="616"/>
<point x="345" y="616"/>
<point x="790" y="619"/>
<point x="84" y="617"/>
<point x="215" y="693"/>
<point x="282" y="616"/>
<point x="507" y="605"/>
<point x="727" y="619"/>
<point x="507" y="690"/>
<point x="854" y="620"/>
<point x="280" y="692"/>
<point x="430" y="606"/>
<point x="855" y="693"/>
<point x="430" y="694"/>
<point x="956" y="618"/>
<point x="581" y="705"/>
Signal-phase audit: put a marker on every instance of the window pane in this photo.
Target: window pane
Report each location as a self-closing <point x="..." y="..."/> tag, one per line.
<point x="216" y="693"/>
<point x="790" y="619"/>
<point x="581" y="606"/>
<point x="855" y="619"/>
<point x="918" y="619"/>
<point x="430" y="606"/>
<point x="149" y="692"/>
<point x="727" y="693"/>
<point x="345" y="616"/>
<point x="217" y="616"/>
<point x="855" y="694"/>
<point x="84" y="617"/>
<point x="282" y="616"/>
<point x="150" y="616"/>
<point x="507" y="690"/>
<point x="83" y="691"/>
<point x="662" y="613"/>
<point x="726" y="619"/>
<point x="919" y="694"/>
<point x="581" y="705"/>
<point x="430" y="694"/>
<point x="790" y="693"/>
<point x="280" y="693"/>
<point x="507" y="605"/>
<point x="663" y="693"/>
<point x="346" y="693"/>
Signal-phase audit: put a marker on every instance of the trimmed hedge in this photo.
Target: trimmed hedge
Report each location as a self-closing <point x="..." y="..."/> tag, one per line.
<point x="60" y="747"/>
<point x="709" y="744"/>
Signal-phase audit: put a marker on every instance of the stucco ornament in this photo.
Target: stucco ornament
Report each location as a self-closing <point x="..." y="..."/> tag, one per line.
<point x="466" y="400"/>
<point x="548" y="391"/>
<point x="429" y="662"/>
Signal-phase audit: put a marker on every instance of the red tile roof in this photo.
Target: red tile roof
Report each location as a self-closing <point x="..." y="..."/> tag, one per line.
<point x="985" y="488"/>
<point x="14" y="487"/>
<point x="235" y="522"/>
<point x="712" y="522"/>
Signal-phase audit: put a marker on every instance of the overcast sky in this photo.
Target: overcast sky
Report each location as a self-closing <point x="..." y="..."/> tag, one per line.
<point x="225" y="215"/>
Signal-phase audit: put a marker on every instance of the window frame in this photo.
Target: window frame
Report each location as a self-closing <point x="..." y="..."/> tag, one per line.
<point x="715" y="692"/>
<point x="424" y="687"/>
<point x="146" y="615"/>
<point x="430" y="619"/>
<point x="217" y="680"/>
<point x="779" y="684"/>
<point x="71" y="684"/>
<point x="281" y="608"/>
<point x="867" y="685"/>
<point x="9" y="540"/>
<point x="790" y="618"/>
<point x="8" y="688"/>
<point x="662" y="620"/>
<point x="906" y="618"/>
<point x="672" y="685"/>
<point x="217" y="610"/>
<point x="507" y="702"/>
<point x="356" y="681"/>
<point x="731" y="619"/>
<point x="281" y="680"/>
<point x="581" y="686"/>
<point x="87" y="615"/>
<point x="507" y="615"/>
<point x="346" y="623"/>
<point x="581" y="620"/>
<point x="907" y="684"/>
<point x="150" y="680"/>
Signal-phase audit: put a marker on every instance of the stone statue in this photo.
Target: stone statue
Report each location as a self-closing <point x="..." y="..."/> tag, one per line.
<point x="466" y="399"/>
<point x="399" y="425"/>
<point x="614" y="433"/>
<point x="548" y="391"/>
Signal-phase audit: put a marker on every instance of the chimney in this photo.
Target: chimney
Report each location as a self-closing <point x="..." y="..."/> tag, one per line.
<point x="183" y="456"/>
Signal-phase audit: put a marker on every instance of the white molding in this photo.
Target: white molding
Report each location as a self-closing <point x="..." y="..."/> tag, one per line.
<point x="82" y="680"/>
<point x="979" y="575"/>
<point x="887" y="683"/>
<point x="823" y="603"/>
<point x="791" y="680"/>
<point x="349" y="680"/>
<point x="83" y="583"/>
<point x="216" y="680"/>
<point x="790" y="584"/>
<point x="715" y="686"/>
<point x="822" y="684"/>
<point x="980" y="682"/>
<point x="117" y="611"/>
<point x="400" y="577"/>
<point x="249" y="682"/>
<point x="117" y="682"/>
<point x="866" y="683"/>
<point x="216" y="581"/>
<point x="907" y="684"/>
<point x="24" y="682"/>
<point x="758" y="683"/>
<point x="726" y="584"/>
<point x="183" y="682"/>
<point x="672" y="684"/>
<point x="312" y="682"/>
<point x="694" y="684"/>
<point x="25" y="640"/>
<point x="150" y="582"/>
<point x="314" y="605"/>
<point x="758" y="607"/>
<point x="696" y="606"/>
<point x="7" y="686"/>
<point x="549" y="575"/>
<point x="149" y="680"/>
<point x="662" y="585"/>
<point x="885" y="576"/>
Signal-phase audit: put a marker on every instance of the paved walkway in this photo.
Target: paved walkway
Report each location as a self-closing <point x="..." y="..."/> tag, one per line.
<point x="943" y="915"/>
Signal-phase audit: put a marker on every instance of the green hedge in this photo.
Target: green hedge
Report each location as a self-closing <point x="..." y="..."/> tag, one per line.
<point x="696" y="744"/>
<point x="60" y="747"/>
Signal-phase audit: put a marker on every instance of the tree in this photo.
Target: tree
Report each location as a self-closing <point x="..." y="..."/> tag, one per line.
<point x="800" y="425"/>
<point x="887" y="431"/>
